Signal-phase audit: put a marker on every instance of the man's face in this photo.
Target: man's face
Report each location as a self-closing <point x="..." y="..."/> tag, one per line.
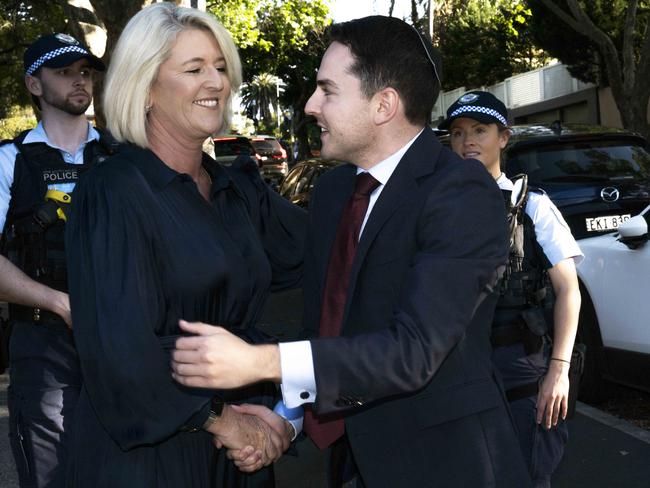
<point x="341" y="110"/>
<point x="69" y="89"/>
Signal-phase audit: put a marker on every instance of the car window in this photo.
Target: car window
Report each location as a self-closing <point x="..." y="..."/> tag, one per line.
<point x="580" y="162"/>
<point x="227" y="147"/>
<point x="266" y="146"/>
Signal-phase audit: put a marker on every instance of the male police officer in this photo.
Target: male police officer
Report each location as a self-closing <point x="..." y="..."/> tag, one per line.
<point x="38" y="171"/>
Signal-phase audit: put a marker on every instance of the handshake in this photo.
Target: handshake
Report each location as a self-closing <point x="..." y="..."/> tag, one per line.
<point x="254" y="435"/>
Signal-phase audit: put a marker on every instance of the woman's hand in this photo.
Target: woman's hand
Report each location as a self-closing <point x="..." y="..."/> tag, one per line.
<point x="246" y="459"/>
<point x="254" y="439"/>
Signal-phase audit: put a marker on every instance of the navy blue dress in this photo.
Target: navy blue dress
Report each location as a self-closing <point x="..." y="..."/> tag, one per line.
<point x="146" y="249"/>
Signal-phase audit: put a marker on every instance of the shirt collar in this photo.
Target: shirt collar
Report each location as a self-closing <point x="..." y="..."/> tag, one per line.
<point x="160" y="175"/>
<point x="504" y="183"/>
<point x="38" y="134"/>
<point x="384" y="169"/>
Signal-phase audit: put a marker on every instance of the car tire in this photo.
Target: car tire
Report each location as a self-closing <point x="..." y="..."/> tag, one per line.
<point x="593" y="388"/>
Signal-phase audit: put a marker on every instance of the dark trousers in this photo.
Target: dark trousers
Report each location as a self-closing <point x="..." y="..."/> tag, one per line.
<point x="43" y="391"/>
<point x="341" y="468"/>
<point x="543" y="449"/>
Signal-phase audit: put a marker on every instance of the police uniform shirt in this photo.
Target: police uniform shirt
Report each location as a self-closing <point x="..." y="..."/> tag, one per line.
<point x="8" y="154"/>
<point x="551" y="230"/>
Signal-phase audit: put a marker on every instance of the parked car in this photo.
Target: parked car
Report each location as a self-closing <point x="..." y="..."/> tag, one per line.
<point x="614" y="282"/>
<point x="598" y="177"/>
<point x="300" y="181"/>
<point x="228" y="147"/>
<point x="271" y="157"/>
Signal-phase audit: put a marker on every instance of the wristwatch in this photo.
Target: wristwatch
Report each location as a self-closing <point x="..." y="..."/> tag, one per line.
<point x="216" y="409"/>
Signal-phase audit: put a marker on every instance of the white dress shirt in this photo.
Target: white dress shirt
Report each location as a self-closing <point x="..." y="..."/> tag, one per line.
<point x="551" y="230"/>
<point x="298" y="378"/>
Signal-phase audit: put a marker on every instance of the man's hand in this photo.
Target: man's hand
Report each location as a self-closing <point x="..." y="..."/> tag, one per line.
<point x="215" y="358"/>
<point x="553" y="396"/>
<point x="250" y="441"/>
<point x="246" y="459"/>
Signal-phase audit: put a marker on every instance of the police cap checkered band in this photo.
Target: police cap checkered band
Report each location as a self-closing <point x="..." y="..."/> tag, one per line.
<point x="482" y="110"/>
<point x="57" y="51"/>
<point x="479" y="105"/>
<point x="53" y="54"/>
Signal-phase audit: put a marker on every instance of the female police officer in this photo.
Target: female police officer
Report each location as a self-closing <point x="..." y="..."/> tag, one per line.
<point x="536" y="379"/>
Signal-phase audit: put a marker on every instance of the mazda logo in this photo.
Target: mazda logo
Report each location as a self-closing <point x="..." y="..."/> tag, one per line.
<point x="609" y="194"/>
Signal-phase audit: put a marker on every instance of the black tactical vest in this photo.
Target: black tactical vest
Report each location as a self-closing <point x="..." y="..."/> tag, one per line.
<point x="32" y="243"/>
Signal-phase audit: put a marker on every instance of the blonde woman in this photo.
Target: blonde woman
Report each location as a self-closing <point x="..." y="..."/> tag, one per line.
<point x="160" y="233"/>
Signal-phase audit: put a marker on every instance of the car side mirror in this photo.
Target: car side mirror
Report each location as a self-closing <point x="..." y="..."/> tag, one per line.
<point x="633" y="232"/>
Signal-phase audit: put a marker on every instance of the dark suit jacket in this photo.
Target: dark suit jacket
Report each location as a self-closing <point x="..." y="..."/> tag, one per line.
<point x="413" y="373"/>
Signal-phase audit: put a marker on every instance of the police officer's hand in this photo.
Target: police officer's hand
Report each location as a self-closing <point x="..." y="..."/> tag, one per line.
<point x="553" y="396"/>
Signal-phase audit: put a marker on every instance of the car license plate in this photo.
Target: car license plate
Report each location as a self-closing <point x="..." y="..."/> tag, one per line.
<point x="608" y="222"/>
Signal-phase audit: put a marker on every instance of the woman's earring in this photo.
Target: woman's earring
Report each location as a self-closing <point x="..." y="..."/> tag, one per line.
<point x="147" y="108"/>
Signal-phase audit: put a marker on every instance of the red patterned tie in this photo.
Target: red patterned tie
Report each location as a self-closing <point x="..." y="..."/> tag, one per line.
<point x="325" y="432"/>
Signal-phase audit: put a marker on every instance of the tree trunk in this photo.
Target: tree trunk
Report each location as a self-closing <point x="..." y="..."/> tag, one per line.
<point x="634" y="115"/>
<point x="627" y="73"/>
<point x="114" y="14"/>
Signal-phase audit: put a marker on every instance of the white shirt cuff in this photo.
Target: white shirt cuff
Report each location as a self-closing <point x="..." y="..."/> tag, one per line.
<point x="298" y="379"/>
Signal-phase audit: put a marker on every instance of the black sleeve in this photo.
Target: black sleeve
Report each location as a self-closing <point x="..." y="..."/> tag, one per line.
<point x="280" y="224"/>
<point x="116" y="304"/>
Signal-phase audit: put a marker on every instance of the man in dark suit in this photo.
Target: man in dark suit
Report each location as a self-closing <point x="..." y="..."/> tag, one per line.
<point x="405" y="307"/>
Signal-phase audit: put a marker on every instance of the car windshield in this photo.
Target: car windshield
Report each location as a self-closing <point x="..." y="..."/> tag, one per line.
<point x="266" y="146"/>
<point x="582" y="162"/>
<point x="226" y="147"/>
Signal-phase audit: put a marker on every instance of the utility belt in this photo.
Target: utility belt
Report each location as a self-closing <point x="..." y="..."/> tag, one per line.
<point x="35" y="315"/>
<point x="529" y="328"/>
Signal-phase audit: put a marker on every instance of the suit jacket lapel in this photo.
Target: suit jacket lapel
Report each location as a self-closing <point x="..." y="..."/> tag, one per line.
<point x="420" y="160"/>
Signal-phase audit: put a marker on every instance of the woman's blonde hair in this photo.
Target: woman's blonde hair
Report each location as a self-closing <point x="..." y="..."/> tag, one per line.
<point x="142" y="47"/>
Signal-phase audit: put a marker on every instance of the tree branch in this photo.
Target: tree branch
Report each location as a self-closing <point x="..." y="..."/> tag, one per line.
<point x="581" y="23"/>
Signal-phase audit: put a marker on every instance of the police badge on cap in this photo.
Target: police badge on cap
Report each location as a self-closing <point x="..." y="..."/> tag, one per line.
<point x="66" y="38"/>
<point x="57" y="51"/>
<point x="468" y="98"/>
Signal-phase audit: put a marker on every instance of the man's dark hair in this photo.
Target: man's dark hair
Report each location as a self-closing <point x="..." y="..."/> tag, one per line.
<point x="388" y="52"/>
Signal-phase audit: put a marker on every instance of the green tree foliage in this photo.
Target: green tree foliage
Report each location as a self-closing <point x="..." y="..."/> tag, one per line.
<point x="282" y="38"/>
<point x="20" y="24"/>
<point x="260" y="94"/>
<point x="577" y="51"/>
<point x="602" y="41"/>
<point x="484" y="41"/>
